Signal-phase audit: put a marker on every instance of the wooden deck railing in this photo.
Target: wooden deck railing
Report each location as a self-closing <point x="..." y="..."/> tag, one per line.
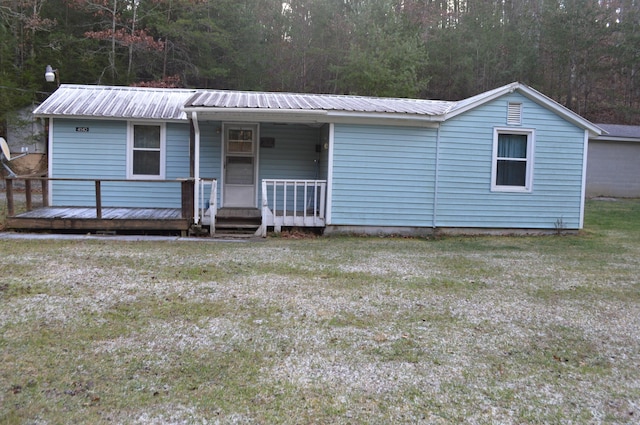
<point x="293" y="203"/>
<point x="28" y="192"/>
<point x="187" y="192"/>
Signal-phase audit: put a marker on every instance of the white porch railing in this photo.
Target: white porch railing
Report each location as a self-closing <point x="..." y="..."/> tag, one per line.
<point x="208" y="212"/>
<point x="292" y="203"/>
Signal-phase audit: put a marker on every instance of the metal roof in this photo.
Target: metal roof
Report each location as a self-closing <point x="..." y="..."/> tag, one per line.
<point x="174" y="104"/>
<point x="314" y="102"/>
<point x="115" y="102"/>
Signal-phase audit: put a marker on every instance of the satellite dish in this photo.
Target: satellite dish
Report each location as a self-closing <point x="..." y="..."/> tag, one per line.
<point x="5" y="148"/>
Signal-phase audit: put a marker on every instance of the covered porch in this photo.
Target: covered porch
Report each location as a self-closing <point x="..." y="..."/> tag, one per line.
<point x="283" y="204"/>
<point x="271" y="169"/>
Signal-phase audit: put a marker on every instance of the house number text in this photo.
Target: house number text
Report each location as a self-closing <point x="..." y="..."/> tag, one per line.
<point x="82" y="129"/>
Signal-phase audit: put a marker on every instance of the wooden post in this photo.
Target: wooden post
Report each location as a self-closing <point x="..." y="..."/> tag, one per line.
<point x="187" y="198"/>
<point x="9" y="188"/>
<point x="98" y="200"/>
<point x="44" y="183"/>
<point x="27" y="193"/>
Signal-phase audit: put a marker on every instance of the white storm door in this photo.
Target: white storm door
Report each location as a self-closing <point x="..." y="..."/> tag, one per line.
<point x="240" y="166"/>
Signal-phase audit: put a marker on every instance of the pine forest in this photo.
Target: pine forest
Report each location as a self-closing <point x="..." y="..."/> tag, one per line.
<point x="584" y="54"/>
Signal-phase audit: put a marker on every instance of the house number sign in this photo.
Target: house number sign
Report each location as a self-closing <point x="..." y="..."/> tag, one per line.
<point x="82" y="129"/>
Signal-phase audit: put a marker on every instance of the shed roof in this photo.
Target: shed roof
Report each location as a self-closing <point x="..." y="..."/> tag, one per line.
<point x="619" y="132"/>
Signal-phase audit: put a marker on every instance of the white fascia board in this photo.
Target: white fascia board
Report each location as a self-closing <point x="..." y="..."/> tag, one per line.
<point x="564" y="112"/>
<point x="606" y="138"/>
<point x="313" y="116"/>
<point x="397" y="119"/>
<point x="489" y="96"/>
<point x="257" y="114"/>
<point x="536" y="97"/>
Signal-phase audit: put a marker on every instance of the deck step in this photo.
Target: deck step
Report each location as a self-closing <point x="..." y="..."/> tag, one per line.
<point x="237" y="223"/>
<point x="226" y="235"/>
<point x="238" y="213"/>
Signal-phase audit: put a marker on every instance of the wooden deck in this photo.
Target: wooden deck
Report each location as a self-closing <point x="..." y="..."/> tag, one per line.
<point x="112" y="219"/>
<point x="98" y="218"/>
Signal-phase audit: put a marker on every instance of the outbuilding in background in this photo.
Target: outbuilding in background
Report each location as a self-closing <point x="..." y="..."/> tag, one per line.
<point x="613" y="165"/>
<point x="26" y="138"/>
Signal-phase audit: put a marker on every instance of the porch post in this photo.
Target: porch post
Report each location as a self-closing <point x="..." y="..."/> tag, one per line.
<point x="196" y="168"/>
<point x="329" y="204"/>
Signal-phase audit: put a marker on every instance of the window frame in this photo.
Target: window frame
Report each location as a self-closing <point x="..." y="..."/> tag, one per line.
<point x="131" y="148"/>
<point x="531" y="137"/>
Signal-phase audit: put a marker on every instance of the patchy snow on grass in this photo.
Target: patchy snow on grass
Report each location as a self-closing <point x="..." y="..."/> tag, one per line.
<point x="348" y="330"/>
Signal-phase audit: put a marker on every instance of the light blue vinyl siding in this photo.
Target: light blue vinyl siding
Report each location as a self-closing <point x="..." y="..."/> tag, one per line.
<point x="294" y="157"/>
<point x="383" y="175"/>
<point x="210" y="154"/>
<point x="101" y="153"/>
<point x="465" y="198"/>
<point x="177" y="161"/>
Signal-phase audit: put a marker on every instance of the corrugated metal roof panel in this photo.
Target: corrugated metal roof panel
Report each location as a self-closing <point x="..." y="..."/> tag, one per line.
<point x="325" y="102"/>
<point x="116" y="102"/>
<point x="171" y="104"/>
<point x="158" y="103"/>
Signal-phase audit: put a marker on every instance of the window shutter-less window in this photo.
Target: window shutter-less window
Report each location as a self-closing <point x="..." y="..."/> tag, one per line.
<point x="512" y="169"/>
<point x="514" y="114"/>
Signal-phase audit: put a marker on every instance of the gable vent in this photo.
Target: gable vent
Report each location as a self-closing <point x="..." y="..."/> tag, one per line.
<point x="514" y="114"/>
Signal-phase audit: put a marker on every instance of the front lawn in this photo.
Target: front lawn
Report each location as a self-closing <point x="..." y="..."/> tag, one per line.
<point x="341" y="330"/>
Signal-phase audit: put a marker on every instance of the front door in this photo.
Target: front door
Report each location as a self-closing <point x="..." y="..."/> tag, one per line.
<point x="240" y="166"/>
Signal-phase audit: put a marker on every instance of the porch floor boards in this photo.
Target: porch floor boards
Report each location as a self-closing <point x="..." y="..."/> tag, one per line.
<point x="85" y="218"/>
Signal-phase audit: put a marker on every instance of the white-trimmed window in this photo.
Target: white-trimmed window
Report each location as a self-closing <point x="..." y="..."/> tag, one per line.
<point x="146" y="151"/>
<point x="512" y="169"/>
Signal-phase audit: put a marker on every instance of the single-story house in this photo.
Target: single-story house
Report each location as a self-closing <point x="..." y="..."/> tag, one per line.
<point x="510" y="159"/>
<point x="614" y="162"/>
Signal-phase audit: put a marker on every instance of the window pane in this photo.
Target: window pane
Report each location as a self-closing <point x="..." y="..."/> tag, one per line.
<point x="146" y="136"/>
<point x="512" y="146"/>
<point x="240" y="134"/>
<point x="511" y="173"/>
<point x="146" y="162"/>
<point x="240" y="147"/>
<point x="239" y="170"/>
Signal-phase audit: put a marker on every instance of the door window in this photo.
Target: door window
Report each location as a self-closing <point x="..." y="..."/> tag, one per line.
<point x="240" y="141"/>
<point x="240" y="170"/>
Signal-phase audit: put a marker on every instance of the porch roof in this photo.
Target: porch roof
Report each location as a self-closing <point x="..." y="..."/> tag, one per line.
<point x="228" y="100"/>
